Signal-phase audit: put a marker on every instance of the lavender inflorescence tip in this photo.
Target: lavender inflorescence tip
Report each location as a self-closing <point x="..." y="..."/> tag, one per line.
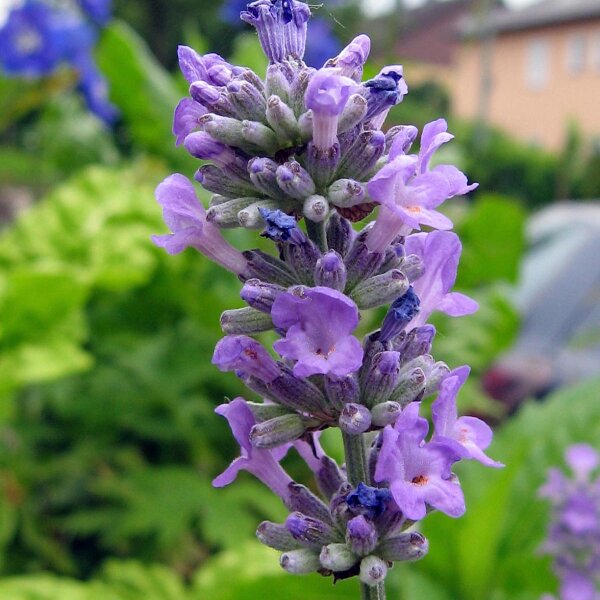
<point x="307" y="145"/>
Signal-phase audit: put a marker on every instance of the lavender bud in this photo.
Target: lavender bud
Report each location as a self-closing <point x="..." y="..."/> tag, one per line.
<point x="402" y="136"/>
<point x="281" y="27"/>
<point x="322" y="163"/>
<point x="361" y="536"/>
<point x="300" y="562"/>
<point x="263" y="411"/>
<point x="380" y="289"/>
<point x="394" y="258"/>
<point x="223" y="129"/>
<point x="346" y="193"/>
<point x="417" y="342"/>
<point x="387" y="89"/>
<point x="263" y="175"/>
<point x="315" y="208"/>
<point x="413" y="267"/>
<point x="353" y="113"/>
<point x="245" y="321"/>
<point x="251" y="218"/>
<point x="406" y="546"/>
<point x="329" y="477"/>
<point x="385" y="413"/>
<point x="372" y="347"/>
<point x="341" y="391"/>
<point x="225" y="214"/>
<point x="267" y="268"/>
<point x="401" y="312"/>
<point x="435" y="377"/>
<point x="302" y="500"/>
<point x="372" y="570"/>
<point x="298" y="89"/>
<point x="282" y="119"/>
<point x="260" y="295"/>
<point x="361" y="263"/>
<point x="308" y="530"/>
<point x="330" y="271"/>
<point x="411" y="386"/>
<point x="381" y="378"/>
<point x="276" y="536"/>
<point x="215" y="180"/>
<point x="337" y="557"/>
<point x="277" y="81"/>
<point x="247" y="101"/>
<point x="302" y="257"/>
<point x="360" y="160"/>
<point x="354" y="419"/>
<point x="295" y="181"/>
<point x="340" y="234"/>
<point x="305" y="126"/>
<point x="277" y="431"/>
<point x="299" y="394"/>
<point x="350" y="61"/>
<point x="260" y="135"/>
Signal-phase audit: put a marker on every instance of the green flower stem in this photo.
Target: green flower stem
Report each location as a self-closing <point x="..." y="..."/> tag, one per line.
<point x="316" y="232"/>
<point x="376" y="592"/>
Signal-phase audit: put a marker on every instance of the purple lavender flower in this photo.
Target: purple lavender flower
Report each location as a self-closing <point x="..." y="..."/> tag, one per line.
<point x="318" y="323"/>
<point x="409" y="193"/>
<point x="186" y="217"/>
<point x="419" y="475"/>
<point x="98" y="10"/>
<point x="327" y="95"/>
<point x="186" y="118"/>
<point x="351" y="60"/>
<point x="263" y="464"/>
<point x="440" y="252"/>
<point x="383" y="92"/>
<point x="471" y="433"/>
<point x="242" y="353"/>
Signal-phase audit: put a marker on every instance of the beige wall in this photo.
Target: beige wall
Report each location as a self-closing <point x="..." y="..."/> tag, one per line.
<point x="535" y="111"/>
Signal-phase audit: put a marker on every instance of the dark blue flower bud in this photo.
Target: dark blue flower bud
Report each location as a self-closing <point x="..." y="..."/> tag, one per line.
<point x="368" y="501"/>
<point x="279" y="225"/>
<point x="402" y="312"/>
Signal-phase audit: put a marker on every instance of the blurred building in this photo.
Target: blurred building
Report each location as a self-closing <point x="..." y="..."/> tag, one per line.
<point x="542" y="68"/>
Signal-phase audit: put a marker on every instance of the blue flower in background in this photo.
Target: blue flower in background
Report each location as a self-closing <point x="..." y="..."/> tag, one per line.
<point x="38" y="37"/>
<point x="321" y="44"/>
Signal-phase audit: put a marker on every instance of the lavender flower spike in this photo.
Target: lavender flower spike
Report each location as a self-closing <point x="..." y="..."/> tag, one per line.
<point x="440" y="252"/>
<point x="327" y="95"/>
<point x="471" y="433"/>
<point x="186" y="217"/>
<point x="263" y="464"/>
<point x="418" y="474"/>
<point x="318" y="323"/>
<point x="281" y="27"/>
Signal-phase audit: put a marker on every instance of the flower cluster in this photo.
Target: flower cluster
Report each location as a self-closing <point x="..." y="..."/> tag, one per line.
<point x="574" y="534"/>
<point x="308" y="144"/>
<point x="39" y="36"/>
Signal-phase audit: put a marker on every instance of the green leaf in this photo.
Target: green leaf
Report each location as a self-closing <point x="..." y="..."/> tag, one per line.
<point x="493" y="239"/>
<point x="144" y="92"/>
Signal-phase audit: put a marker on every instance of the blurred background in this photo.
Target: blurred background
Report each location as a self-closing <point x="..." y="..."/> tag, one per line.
<point x="108" y="440"/>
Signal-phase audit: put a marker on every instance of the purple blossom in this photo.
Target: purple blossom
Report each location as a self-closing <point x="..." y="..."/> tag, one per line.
<point x="318" y="323"/>
<point x="244" y="354"/>
<point x="327" y="95"/>
<point x="583" y="460"/>
<point x="387" y="89"/>
<point x="350" y="61"/>
<point x="280" y="225"/>
<point x="185" y="216"/>
<point x="419" y="474"/>
<point x="186" y="118"/>
<point x="471" y="433"/>
<point x="98" y="10"/>
<point x="263" y="464"/>
<point x="440" y="253"/>
<point x="409" y="193"/>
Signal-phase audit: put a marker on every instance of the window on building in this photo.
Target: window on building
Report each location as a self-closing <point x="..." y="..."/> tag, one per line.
<point x="576" y="50"/>
<point x="537" y="69"/>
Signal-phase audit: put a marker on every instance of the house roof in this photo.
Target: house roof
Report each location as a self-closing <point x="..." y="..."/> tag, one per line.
<point x="547" y="12"/>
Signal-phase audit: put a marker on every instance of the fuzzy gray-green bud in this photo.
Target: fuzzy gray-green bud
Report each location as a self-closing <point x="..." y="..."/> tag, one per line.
<point x="225" y="214"/>
<point x="315" y="208"/>
<point x="410" y="387"/>
<point x="282" y="119"/>
<point x="406" y="546"/>
<point x="372" y="570"/>
<point x="337" y="557"/>
<point x="353" y="113"/>
<point x="250" y="216"/>
<point x="247" y="320"/>
<point x="385" y="413"/>
<point x="346" y="193"/>
<point x="276" y="536"/>
<point x="277" y="431"/>
<point x="260" y="135"/>
<point x="300" y="562"/>
<point x="264" y="412"/>
<point x="380" y="289"/>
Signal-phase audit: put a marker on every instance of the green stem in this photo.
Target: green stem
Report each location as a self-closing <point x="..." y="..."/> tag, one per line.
<point x="357" y="469"/>
<point x="377" y="592"/>
<point x="316" y="232"/>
